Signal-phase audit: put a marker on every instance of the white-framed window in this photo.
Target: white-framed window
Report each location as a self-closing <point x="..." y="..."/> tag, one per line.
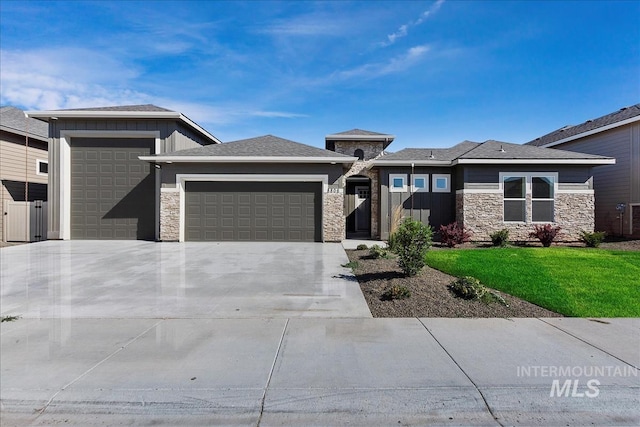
<point x="539" y="187"/>
<point x="42" y="167"/>
<point x="441" y="183"/>
<point x="542" y="198"/>
<point x="420" y="183"/>
<point x="397" y="183"/>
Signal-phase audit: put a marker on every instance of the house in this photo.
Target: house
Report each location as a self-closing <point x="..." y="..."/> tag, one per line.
<point x="23" y="168"/>
<point x="144" y="172"/>
<point x="617" y="186"/>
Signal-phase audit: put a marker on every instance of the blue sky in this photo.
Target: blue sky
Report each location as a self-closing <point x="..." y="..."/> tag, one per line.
<point x="433" y="73"/>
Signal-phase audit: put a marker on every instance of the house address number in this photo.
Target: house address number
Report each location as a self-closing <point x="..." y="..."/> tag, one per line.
<point x="334" y="189"/>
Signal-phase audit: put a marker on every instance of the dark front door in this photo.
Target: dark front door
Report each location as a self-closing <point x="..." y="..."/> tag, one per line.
<point x="362" y="208"/>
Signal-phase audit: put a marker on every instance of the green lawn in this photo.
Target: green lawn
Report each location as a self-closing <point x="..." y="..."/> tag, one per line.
<point x="577" y="282"/>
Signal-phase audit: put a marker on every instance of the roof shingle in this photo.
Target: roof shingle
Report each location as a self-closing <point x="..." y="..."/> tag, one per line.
<point x="138" y="108"/>
<point x="568" y="131"/>
<point x="14" y="119"/>
<point x="262" y="146"/>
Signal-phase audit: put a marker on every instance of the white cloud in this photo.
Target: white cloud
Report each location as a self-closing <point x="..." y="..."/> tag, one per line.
<point x="394" y="65"/>
<point x="64" y="78"/>
<point x="315" y="24"/>
<point x="403" y="30"/>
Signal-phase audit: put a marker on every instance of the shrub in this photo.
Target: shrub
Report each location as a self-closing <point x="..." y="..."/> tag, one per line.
<point x="395" y="292"/>
<point x="411" y="242"/>
<point x="594" y="239"/>
<point x="500" y="238"/>
<point x="351" y="264"/>
<point x="545" y="233"/>
<point x="453" y="234"/>
<point x="468" y="288"/>
<point x="362" y="247"/>
<point x="377" y="252"/>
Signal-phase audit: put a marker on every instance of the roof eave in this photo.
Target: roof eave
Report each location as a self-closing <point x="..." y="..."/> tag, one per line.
<point x="338" y="137"/>
<point x="412" y="162"/>
<point x="592" y="132"/>
<point x="23" y="133"/>
<point x="606" y="161"/>
<point x="94" y="114"/>
<point x="247" y="159"/>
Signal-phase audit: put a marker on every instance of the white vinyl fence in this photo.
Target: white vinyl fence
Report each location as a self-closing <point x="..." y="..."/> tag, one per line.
<point x="25" y="221"/>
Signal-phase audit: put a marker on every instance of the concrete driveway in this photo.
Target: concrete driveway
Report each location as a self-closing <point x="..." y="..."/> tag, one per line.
<point x="140" y="333"/>
<point x="135" y="279"/>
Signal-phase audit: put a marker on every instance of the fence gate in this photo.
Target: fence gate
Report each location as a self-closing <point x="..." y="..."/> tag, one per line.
<point x="25" y="221"/>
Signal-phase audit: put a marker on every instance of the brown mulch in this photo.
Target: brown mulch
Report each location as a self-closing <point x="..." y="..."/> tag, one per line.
<point x="430" y="296"/>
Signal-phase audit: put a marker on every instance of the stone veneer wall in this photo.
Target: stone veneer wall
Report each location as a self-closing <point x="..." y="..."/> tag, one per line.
<point x="482" y="214"/>
<point x="371" y="149"/>
<point x="169" y="216"/>
<point x="333" y="220"/>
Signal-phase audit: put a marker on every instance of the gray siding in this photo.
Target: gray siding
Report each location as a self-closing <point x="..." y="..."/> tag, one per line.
<point x="471" y="176"/>
<point x="173" y="136"/>
<point x="613" y="184"/>
<point x="430" y="208"/>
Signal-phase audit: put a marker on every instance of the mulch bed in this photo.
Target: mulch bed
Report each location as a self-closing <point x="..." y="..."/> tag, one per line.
<point x="430" y="296"/>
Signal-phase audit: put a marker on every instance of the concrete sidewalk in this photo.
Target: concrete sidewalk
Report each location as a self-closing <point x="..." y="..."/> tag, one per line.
<point x="320" y="371"/>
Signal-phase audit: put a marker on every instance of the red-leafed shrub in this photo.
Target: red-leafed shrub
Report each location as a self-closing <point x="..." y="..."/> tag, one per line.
<point x="454" y="234"/>
<point x="545" y="233"/>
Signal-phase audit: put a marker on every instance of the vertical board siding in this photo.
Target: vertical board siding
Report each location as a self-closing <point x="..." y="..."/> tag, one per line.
<point x="617" y="183"/>
<point x="430" y="208"/>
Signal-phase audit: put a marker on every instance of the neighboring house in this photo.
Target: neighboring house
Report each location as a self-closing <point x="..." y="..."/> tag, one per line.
<point x="615" y="135"/>
<point x="23" y="162"/>
<point x="143" y="172"/>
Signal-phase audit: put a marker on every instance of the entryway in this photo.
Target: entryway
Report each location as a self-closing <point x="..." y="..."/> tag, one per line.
<point x="358" y="207"/>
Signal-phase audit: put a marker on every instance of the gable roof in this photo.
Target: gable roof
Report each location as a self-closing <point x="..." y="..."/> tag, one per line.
<point x="567" y="133"/>
<point x="488" y="152"/>
<point x="261" y="149"/>
<point x="358" y="135"/>
<point x="141" y="107"/>
<point x="146" y="111"/>
<point x="14" y="120"/>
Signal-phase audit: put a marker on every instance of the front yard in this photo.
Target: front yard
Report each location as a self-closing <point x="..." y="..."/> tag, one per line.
<point x="535" y="282"/>
<point x="572" y="281"/>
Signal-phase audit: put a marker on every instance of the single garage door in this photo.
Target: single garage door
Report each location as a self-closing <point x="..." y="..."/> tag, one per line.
<point x="112" y="191"/>
<point x="253" y="211"/>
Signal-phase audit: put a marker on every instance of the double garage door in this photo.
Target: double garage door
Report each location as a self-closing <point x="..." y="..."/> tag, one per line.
<point x="253" y="211"/>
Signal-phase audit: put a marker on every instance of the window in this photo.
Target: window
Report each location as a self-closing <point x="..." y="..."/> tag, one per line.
<point x="515" y="198"/>
<point x="420" y="183"/>
<point x="397" y="183"/>
<point x="42" y="167"/>
<point x="441" y="183"/>
<point x="542" y="204"/>
<point x="539" y="187"/>
<point x="359" y="154"/>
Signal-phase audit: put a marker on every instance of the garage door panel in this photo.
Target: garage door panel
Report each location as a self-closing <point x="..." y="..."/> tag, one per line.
<point x="112" y="191"/>
<point x="253" y="211"/>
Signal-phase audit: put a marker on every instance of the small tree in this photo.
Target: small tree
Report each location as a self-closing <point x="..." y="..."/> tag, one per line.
<point x="411" y="242"/>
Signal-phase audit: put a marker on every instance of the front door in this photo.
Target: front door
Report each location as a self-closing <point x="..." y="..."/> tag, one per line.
<point x="363" y="208"/>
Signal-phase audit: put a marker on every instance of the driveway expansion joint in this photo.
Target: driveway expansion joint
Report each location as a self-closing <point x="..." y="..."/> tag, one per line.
<point x="273" y="366"/>
<point x="589" y="343"/>
<point x="495" y="417"/>
<point x="85" y="373"/>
